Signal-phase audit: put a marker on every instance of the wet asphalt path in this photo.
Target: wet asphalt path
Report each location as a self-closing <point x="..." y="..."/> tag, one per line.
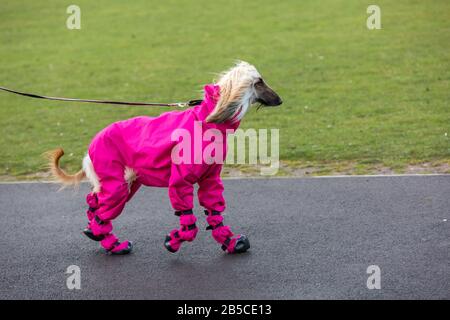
<point x="311" y="239"/>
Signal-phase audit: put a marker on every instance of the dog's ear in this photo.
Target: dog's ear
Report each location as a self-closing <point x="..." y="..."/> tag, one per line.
<point x="222" y="112"/>
<point x="229" y="102"/>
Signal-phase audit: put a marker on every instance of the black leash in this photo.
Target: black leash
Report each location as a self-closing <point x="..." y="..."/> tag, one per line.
<point x="154" y="104"/>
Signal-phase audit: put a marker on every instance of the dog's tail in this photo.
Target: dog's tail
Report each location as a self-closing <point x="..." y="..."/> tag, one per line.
<point x="53" y="157"/>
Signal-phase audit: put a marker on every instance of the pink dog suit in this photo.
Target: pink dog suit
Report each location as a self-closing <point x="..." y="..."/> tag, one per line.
<point x="145" y="145"/>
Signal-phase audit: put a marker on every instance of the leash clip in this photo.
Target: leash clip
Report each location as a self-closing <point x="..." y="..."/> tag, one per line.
<point x="181" y="104"/>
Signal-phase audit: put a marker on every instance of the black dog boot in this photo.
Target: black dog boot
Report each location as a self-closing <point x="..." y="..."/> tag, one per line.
<point x="242" y="245"/>
<point x="88" y="232"/>
<point x="187" y="232"/>
<point x="237" y="245"/>
<point x="121" y="248"/>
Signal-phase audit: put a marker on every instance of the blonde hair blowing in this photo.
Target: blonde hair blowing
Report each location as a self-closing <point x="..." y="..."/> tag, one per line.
<point x="236" y="91"/>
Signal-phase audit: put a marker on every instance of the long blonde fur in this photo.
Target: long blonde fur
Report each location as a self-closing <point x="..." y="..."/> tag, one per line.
<point x="235" y="93"/>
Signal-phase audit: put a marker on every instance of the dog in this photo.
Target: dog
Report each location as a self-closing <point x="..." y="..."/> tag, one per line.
<point x="139" y="151"/>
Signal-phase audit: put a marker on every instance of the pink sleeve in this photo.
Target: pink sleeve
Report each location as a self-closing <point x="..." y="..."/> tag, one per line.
<point x="181" y="188"/>
<point x="210" y="192"/>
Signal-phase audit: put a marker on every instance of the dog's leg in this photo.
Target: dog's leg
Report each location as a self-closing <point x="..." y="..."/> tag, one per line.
<point x="106" y="205"/>
<point x="223" y="234"/>
<point x="100" y="230"/>
<point x="187" y="232"/>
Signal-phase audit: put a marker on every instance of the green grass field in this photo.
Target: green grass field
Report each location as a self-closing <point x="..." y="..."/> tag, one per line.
<point x="353" y="98"/>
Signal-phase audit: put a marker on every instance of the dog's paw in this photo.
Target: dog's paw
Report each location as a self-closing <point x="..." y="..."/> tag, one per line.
<point x="123" y="248"/>
<point x="242" y="245"/>
<point x="167" y="244"/>
<point x="88" y="232"/>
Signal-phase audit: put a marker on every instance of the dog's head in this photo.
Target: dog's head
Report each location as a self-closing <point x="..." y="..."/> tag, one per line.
<point x="240" y="87"/>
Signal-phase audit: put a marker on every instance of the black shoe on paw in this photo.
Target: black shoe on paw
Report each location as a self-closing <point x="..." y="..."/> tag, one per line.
<point x="90" y="235"/>
<point x="242" y="245"/>
<point x="127" y="250"/>
<point x="167" y="244"/>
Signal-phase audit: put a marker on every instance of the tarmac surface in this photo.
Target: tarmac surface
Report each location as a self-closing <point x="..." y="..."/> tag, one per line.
<point x="311" y="238"/>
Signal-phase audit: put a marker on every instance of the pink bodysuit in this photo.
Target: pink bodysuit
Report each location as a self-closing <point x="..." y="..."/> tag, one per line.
<point x="144" y="144"/>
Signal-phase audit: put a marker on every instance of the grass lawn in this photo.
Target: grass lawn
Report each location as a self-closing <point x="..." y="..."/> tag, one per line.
<point x="353" y="97"/>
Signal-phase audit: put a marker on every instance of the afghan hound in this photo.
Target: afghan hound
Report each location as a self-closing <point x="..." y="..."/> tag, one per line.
<point x="140" y="151"/>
